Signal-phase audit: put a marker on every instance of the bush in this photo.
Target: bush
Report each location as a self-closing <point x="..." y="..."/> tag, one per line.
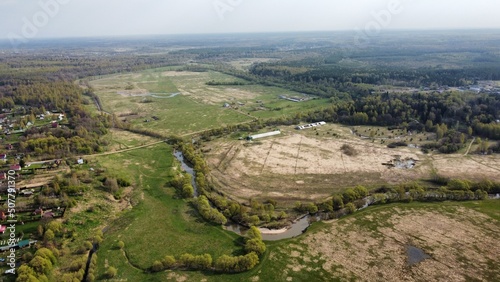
<point x="350" y="208"/>
<point x="120" y="244"/>
<point x="87" y="245"/>
<point x="90" y="277"/>
<point x="397" y="144"/>
<point x="157" y="266"/>
<point x="111" y="272"/>
<point x="168" y="262"/>
<point x="348" y="150"/>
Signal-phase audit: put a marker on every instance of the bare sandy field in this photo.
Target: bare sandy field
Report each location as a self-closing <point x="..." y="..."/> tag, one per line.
<point x="299" y="165"/>
<point x="461" y="243"/>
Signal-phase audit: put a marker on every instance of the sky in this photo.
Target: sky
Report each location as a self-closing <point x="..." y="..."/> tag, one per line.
<point x="27" y="19"/>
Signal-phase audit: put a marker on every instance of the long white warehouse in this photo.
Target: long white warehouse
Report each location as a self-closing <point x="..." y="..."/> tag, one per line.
<point x="262" y="135"/>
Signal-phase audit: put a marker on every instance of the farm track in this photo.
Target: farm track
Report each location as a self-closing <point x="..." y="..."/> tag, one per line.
<point x="470" y="145"/>
<point x="265" y="161"/>
<point x="298" y="155"/>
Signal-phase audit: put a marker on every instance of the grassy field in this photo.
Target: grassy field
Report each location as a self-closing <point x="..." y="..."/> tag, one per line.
<point x="157" y="225"/>
<point x="460" y="239"/>
<point x="121" y="139"/>
<point x="310" y="164"/>
<point x="144" y="99"/>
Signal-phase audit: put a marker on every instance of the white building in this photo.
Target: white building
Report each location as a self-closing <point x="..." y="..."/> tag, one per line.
<point x="311" y="125"/>
<point x="263" y="135"/>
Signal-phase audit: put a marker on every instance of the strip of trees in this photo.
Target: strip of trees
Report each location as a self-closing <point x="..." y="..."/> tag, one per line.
<point x="254" y="248"/>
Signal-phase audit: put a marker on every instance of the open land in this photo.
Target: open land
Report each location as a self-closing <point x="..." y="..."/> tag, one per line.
<point x="180" y="102"/>
<point x="310" y="164"/>
<point x="155" y="224"/>
<point x="371" y="245"/>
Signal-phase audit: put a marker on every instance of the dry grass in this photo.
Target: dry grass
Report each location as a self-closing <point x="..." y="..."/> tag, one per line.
<point x="462" y="244"/>
<point x="302" y="165"/>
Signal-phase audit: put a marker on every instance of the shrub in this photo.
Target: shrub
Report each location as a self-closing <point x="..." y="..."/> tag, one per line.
<point x="350" y="208"/>
<point x="168" y="262"/>
<point x="157" y="266"/>
<point x="120" y="244"/>
<point x="111" y="272"/>
<point x="348" y="150"/>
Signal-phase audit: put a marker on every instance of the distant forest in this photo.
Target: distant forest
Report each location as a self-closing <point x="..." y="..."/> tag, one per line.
<point x="42" y="79"/>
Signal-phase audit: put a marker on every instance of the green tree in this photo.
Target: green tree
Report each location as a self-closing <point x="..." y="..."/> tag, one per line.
<point x="254" y="233"/>
<point x="46" y="253"/>
<point x="255" y="245"/>
<point x="361" y="191"/>
<point x="349" y="195"/>
<point x="168" y="262"/>
<point x="350" y="208"/>
<point x="186" y="260"/>
<point x="48" y="236"/>
<point x="457" y="184"/>
<point x="312" y="208"/>
<point x="337" y="202"/>
<point x="187" y="191"/>
<point x="439" y="132"/>
<point x="41" y="265"/>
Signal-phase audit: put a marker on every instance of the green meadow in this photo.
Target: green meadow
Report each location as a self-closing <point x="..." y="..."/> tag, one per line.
<point x="158" y="224"/>
<point x="180" y="102"/>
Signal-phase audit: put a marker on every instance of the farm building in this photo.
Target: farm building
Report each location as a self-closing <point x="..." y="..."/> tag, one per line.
<point x="263" y="135"/>
<point x="311" y="125"/>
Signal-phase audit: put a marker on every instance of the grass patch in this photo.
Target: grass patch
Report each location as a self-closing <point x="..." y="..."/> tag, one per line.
<point x="158" y="225"/>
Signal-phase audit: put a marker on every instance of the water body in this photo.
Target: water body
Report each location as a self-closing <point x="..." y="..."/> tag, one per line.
<point x="187" y="168"/>
<point x="415" y="255"/>
<point x="297" y="228"/>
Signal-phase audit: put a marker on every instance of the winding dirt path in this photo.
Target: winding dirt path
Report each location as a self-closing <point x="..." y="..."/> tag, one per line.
<point x="470" y="145"/>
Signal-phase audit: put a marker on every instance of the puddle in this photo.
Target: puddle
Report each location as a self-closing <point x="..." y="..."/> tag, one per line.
<point x="415" y="255"/>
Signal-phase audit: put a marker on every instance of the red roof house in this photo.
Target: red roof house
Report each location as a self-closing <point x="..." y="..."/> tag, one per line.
<point x="15" y="167"/>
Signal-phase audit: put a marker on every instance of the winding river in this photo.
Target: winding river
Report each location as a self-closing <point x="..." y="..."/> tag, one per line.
<point x="298" y="227"/>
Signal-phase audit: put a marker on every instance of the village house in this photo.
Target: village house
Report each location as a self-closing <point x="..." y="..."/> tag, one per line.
<point x="15" y="167"/>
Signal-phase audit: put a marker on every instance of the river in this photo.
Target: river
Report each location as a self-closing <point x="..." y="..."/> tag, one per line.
<point x="298" y="227"/>
<point x="187" y="168"/>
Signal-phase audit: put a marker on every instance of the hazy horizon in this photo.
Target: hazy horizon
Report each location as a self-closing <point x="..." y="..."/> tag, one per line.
<point x="39" y="19"/>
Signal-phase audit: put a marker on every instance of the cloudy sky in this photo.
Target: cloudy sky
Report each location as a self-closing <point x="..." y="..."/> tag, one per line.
<point x="75" y="18"/>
